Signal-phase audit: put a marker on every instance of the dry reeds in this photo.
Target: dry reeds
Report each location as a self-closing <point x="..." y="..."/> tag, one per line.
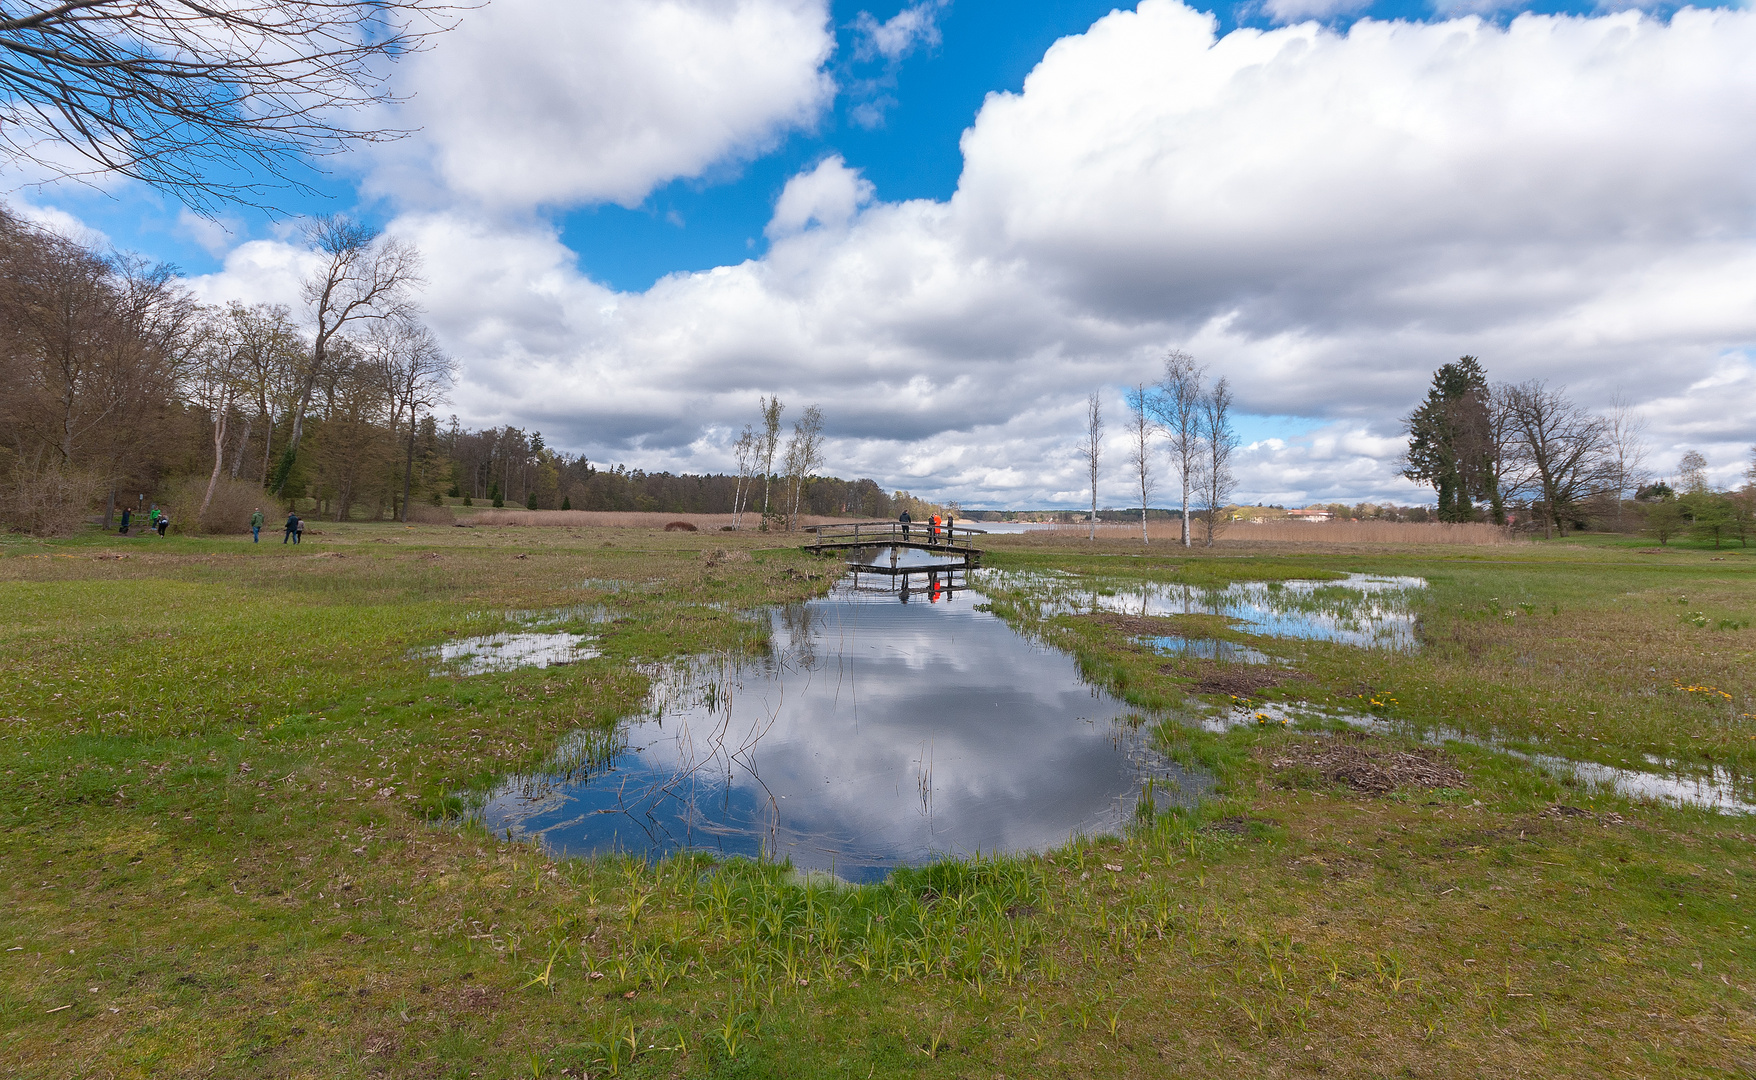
<point x="1371" y="532"/>
<point x="1296" y="532"/>
<point x="617" y="519"/>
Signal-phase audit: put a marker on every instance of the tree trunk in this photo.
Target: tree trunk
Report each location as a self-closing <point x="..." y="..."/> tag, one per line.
<point x="408" y="470"/>
<point x="243" y="445"/>
<point x="219" y="457"/>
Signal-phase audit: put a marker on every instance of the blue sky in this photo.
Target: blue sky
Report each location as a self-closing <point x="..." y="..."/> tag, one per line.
<point x="1324" y="218"/>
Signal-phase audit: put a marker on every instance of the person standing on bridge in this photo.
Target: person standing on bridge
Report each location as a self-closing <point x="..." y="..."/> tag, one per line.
<point x="933" y="529"/>
<point x="905" y="519"/>
<point x="950" y="537"/>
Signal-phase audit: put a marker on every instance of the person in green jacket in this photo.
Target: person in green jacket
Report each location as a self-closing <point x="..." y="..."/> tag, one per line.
<point x="256" y="526"/>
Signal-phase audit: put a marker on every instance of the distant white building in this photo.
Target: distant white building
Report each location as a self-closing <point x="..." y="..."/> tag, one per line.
<point x="1315" y="513"/>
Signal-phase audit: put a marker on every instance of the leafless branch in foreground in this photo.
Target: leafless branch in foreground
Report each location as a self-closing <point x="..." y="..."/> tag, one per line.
<point x="197" y="99"/>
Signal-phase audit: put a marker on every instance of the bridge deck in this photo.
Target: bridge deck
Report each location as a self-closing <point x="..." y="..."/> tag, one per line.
<point x="846" y="536"/>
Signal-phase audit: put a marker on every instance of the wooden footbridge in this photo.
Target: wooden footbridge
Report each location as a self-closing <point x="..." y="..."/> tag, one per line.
<point x="951" y="543"/>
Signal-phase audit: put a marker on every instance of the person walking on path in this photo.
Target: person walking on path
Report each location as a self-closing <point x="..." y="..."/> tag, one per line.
<point x="256" y="526"/>
<point x="164" y="523"/>
<point x="299" y="531"/>
<point x="933" y="530"/>
<point x="905" y="519"/>
<point x="127" y="516"/>
<point x="292" y="527"/>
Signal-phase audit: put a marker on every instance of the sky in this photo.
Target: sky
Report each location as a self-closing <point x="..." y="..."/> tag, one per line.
<point x="946" y="222"/>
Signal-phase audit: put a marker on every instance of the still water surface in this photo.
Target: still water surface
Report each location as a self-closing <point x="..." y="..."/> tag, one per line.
<point x="877" y="734"/>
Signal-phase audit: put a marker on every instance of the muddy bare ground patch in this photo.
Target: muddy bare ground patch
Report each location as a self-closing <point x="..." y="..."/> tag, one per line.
<point x="1160" y="625"/>
<point x="1367" y="764"/>
<point x="1232" y="679"/>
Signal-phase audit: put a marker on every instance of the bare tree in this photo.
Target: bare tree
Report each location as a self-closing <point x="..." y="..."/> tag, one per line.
<point x="1562" y="449"/>
<point x="1140" y="433"/>
<point x="1179" y="413"/>
<point x="366" y="276"/>
<point x="214" y="379"/>
<point x="745" y="452"/>
<point x="1625" y="434"/>
<point x="1692" y="472"/>
<point x="179" y="93"/>
<point x="767" y="443"/>
<point x="804" y="457"/>
<point x="272" y="350"/>
<point x="1218" y="440"/>
<point x="417" y="375"/>
<point x="1090" y="449"/>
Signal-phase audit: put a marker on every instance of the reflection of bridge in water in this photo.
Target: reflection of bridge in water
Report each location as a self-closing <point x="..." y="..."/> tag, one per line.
<point x="901" y="551"/>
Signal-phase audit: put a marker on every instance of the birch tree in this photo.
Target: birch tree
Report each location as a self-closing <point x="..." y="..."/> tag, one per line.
<point x="1218" y="440"/>
<point x="1625" y="436"/>
<point x="1179" y="413"/>
<point x="1090" y="449"/>
<point x="1140" y="432"/>
<point x="769" y="443"/>
<point x="745" y="453"/>
<point x="804" y="457"/>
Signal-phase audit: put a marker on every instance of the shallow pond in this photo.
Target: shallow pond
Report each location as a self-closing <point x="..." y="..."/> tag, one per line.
<point x="1366" y="610"/>
<point x="1714" y="788"/>
<point x="876" y="734"/>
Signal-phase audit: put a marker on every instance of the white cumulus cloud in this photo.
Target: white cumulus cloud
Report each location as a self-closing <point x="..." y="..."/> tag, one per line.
<point x="830" y="194"/>
<point x="565" y="102"/>
<point x="1322" y="216"/>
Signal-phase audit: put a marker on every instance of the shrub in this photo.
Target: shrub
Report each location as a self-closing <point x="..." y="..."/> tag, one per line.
<point x="679" y="526"/>
<point x="46" y="500"/>
<point x="228" y="513"/>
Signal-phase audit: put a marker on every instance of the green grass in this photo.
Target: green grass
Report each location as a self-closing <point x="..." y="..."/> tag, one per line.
<point x="234" y="844"/>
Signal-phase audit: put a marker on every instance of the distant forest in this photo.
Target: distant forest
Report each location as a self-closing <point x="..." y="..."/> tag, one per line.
<point x="519" y="470"/>
<point x="119" y="391"/>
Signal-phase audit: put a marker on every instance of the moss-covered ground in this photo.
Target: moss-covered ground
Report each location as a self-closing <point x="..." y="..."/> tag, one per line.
<point x="233" y="844"/>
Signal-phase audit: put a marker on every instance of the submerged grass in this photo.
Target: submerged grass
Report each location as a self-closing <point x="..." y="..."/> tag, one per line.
<point x="234" y="787"/>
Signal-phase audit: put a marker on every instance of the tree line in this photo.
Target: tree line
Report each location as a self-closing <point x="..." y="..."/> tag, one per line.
<point x="119" y="390"/>
<point x="115" y="383"/>
<point x="1502" y="452"/>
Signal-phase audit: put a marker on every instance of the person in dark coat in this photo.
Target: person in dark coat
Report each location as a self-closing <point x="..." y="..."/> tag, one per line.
<point x="905" y="519"/>
<point x="292" y="528"/>
<point x="164" y="523"/>
<point x="127" y="516"/>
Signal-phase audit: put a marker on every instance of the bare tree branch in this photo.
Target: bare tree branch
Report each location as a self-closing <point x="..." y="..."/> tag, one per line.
<point x="180" y="94"/>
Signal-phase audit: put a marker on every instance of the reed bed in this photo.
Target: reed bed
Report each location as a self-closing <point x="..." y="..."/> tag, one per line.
<point x="1298" y="532"/>
<point x="622" y="519"/>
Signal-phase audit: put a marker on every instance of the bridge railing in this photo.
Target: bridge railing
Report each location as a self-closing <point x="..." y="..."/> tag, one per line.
<point x="877" y="533"/>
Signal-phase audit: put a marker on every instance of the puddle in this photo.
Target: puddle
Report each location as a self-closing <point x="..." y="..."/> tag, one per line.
<point x="504" y="652"/>
<point x="876" y="734"/>
<point x="1716" y="788"/>
<point x="1365" y="610"/>
<point x="1228" y="652"/>
<point x="531" y="648"/>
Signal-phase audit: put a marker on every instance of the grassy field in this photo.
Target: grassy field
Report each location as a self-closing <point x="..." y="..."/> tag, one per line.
<point x="233" y="788"/>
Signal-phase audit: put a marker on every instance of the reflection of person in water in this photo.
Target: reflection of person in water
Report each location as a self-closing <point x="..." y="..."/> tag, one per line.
<point x="933" y="590"/>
